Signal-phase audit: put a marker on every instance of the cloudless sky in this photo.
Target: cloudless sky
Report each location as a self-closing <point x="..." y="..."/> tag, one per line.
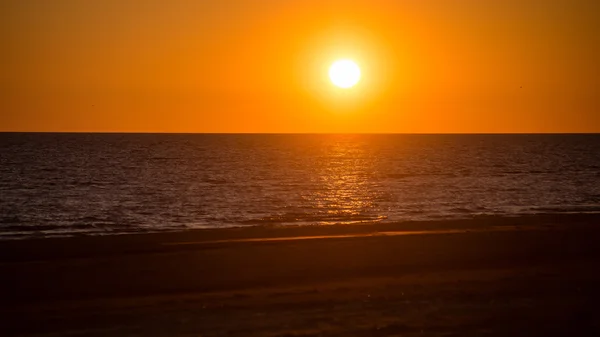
<point x="261" y="65"/>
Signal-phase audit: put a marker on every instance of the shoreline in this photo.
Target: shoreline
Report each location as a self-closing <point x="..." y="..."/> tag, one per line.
<point x="433" y="224"/>
<point x="50" y="248"/>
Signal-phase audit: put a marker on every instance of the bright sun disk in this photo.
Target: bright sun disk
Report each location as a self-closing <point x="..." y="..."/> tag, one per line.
<point x="344" y="73"/>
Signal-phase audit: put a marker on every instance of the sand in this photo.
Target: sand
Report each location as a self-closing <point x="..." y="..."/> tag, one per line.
<point x="531" y="276"/>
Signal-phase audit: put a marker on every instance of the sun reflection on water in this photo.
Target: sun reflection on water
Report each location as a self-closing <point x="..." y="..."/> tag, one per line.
<point x="342" y="192"/>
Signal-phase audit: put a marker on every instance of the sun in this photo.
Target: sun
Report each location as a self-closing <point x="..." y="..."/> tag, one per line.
<point x="344" y="73"/>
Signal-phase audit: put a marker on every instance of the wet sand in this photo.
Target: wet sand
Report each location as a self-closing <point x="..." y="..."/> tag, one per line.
<point x="531" y="276"/>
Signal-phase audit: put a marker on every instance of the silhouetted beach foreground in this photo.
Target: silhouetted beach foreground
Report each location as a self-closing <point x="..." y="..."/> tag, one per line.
<point x="527" y="276"/>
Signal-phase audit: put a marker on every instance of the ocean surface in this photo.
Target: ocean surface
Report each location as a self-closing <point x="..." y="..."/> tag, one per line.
<point x="67" y="184"/>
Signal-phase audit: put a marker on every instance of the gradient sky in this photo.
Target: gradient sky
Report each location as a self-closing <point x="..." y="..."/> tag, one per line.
<point x="261" y="66"/>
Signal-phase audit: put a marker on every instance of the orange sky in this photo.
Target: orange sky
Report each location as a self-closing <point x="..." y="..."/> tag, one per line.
<point x="261" y="65"/>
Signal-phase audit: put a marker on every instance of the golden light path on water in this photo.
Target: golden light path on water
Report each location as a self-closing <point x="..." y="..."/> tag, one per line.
<point x="344" y="191"/>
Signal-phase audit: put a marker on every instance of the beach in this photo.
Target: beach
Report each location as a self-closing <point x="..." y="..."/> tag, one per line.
<point x="528" y="276"/>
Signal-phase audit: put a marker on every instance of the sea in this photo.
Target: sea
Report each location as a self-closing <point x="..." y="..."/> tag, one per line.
<point x="65" y="184"/>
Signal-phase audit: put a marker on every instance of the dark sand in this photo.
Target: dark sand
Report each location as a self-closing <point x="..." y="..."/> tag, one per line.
<point x="532" y="276"/>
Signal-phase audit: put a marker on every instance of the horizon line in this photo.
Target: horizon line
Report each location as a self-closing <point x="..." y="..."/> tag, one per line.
<point x="300" y="133"/>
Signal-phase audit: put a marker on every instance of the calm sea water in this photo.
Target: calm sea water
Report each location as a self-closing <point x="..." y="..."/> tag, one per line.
<point x="62" y="184"/>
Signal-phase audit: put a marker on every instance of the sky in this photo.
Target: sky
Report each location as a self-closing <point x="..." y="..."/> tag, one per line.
<point x="428" y="66"/>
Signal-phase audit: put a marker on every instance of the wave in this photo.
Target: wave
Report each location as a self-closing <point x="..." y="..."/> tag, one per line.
<point x="297" y="218"/>
<point x="400" y="176"/>
<point x="13" y="219"/>
<point x="566" y="209"/>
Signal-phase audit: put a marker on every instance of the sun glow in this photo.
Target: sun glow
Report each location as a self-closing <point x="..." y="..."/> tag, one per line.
<point x="344" y="73"/>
